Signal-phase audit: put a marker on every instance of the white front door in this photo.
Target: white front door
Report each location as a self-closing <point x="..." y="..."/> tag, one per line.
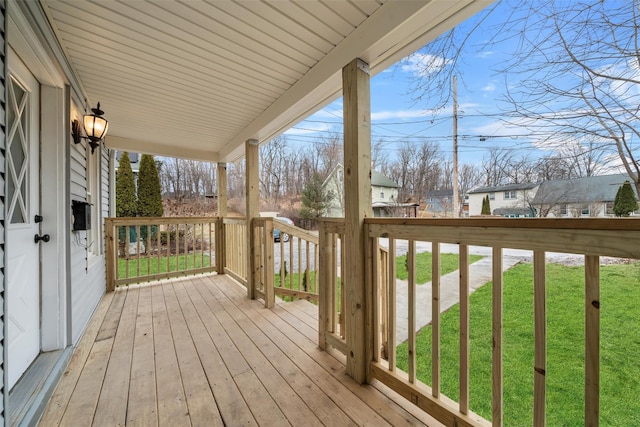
<point x="22" y="205"/>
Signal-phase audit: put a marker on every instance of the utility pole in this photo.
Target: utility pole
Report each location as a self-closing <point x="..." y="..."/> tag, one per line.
<point x="456" y="209"/>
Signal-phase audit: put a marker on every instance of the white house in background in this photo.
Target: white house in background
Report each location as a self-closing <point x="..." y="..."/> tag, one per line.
<point x="384" y="193"/>
<point x="591" y="196"/>
<point x="579" y="197"/>
<point x="511" y="201"/>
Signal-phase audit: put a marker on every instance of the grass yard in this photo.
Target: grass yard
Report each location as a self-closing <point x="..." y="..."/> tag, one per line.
<point x="448" y="263"/>
<point x="619" y="342"/>
<point x="155" y="265"/>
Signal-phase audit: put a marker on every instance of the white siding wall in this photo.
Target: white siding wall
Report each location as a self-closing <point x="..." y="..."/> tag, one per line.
<point x="383" y="194"/>
<point x="523" y="197"/>
<point x="88" y="275"/>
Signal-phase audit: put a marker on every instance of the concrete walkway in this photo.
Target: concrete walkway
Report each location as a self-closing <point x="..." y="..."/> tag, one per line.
<point x="479" y="274"/>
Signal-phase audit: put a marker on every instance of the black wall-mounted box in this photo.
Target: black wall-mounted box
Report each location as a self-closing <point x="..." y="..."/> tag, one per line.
<point x="81" y="215"/>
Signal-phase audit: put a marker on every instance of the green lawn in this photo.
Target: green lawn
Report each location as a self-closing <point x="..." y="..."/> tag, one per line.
<point x="619" y="342"/>
<point x="154" y="265"/>
<point x="448" y="263"/>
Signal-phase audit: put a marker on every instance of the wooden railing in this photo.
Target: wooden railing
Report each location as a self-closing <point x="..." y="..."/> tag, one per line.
<point x="286" y="269"/>
<point x="331" y="326"/>
<point x="235" y="244"/>
<point x="332" y="331"/>
<point x="144" y="249"/>
<point x="592" y="238"/>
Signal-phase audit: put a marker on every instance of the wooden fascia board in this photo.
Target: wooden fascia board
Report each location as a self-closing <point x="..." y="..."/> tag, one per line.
<point x="147" y="147"/>
<point x="396" y="29"/>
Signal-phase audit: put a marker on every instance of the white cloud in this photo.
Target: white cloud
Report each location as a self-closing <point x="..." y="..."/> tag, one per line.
<point x="422" y="65"/>
<point x="489" y="87"/>
<point x="485" y="54"/>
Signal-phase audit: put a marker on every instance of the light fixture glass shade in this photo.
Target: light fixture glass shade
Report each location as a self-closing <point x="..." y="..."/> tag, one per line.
<point x="95" y="126"/>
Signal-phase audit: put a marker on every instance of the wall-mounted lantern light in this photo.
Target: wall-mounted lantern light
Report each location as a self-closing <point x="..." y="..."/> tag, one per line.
<point x="95" y="126"/>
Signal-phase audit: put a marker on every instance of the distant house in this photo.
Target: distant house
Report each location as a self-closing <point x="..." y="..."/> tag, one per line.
<point x="438" y="203"/>
<point x="579" y="197"/>
<point x="134" y="159"/>
<point x="511" y="201"/>
<point x="384" y="195"/>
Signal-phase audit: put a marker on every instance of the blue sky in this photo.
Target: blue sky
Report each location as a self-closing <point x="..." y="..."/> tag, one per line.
<point x="396" y="117"/>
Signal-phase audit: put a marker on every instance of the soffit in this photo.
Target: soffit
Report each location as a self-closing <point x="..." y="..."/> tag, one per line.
<point x="198" y="78"/>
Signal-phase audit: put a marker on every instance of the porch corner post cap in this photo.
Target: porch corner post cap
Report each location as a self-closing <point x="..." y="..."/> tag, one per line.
<point x="253" y="142"/>
<point x="363" y="66"/>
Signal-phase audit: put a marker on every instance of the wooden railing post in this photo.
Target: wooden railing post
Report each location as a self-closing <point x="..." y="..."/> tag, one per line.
<point x="268" y="270"/>
<point x="252" y="191"/>
<point x="324" y="281"/>
<point x="220" y="245"/>
<point x="111" y="254"/>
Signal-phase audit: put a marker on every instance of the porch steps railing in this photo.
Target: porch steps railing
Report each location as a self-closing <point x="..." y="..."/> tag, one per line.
<point x="293" y="273"/>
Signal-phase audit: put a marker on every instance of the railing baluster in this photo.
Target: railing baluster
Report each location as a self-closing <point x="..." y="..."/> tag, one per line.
<point x="497" y="394"/>
<point x="464" y="328"/>
<point x="137" y="250"/>
<point x="126" y="249"/>
<point x="592" y="340"/>
<point x="411" y="270"/>
<point x="291" y="283"/>
<point x="283" y="277"/>
<point x="435" y="319"/>
<point x="343" y="298"/>
<point x="299" y="264"/>
<point x="159" y="247"/>
<point x="391" y="312"/>
<point x="168" y="248"/>
<point x="316" y="267"/>
<point x="147" y="249"/>
<point x="540" y="338"/>
<point x="373" y="250"/>
<point x="306" y="268"/>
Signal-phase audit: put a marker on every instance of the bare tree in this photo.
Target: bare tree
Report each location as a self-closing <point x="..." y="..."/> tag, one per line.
<point x="577" y="70"/>
<point x="573" y="74"/>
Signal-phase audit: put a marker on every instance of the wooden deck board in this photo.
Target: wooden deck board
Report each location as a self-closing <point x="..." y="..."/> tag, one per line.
<point x="58" y="404"/>
<point x="112" y="405"/>
<point x="142" y="405"/>
<point x="196" y="351"/>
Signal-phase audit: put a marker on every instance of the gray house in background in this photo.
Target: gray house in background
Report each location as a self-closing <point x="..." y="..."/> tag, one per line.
<point x="579" y="197"/>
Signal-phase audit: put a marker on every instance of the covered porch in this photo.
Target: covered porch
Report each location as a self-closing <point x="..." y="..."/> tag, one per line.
<point x="179" y="80"/>
<point x="196" y="351"/>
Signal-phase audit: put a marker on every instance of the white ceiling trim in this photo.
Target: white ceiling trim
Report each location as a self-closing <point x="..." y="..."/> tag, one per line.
<point x="146" y="147"/>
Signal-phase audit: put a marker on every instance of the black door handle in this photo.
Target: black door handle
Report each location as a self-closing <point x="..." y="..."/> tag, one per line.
<point x="38" y="218"/>
<point x="45" y="238"/>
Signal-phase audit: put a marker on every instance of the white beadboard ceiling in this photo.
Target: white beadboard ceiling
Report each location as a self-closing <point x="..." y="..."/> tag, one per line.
<point x="197" y="78"/>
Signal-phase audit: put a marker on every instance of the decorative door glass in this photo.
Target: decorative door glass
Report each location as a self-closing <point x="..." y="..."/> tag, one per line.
<point x="18" y="153"/>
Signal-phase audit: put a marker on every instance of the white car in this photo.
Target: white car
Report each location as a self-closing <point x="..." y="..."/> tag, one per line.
<point x="276" y="232"/>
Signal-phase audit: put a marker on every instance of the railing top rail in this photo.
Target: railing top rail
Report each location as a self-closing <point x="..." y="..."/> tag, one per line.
<point x="160" y="220"/>
<point x="291" y="230"/>
<point x="544" y="235"/>
<point x="631" y="224"/>
<point x="227" y="220"/>
<point x="332" y="225"/>
<point x="338" y="220"/>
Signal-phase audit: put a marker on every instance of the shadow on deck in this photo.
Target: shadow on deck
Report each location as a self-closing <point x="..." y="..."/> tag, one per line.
<point x="196" y="351"/>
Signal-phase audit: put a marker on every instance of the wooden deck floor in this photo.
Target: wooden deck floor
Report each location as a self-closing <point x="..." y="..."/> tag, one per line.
<point x="196" y="351"/>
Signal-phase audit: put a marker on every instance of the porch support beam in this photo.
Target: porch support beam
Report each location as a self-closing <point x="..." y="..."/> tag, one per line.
<point x="357" y="191"/>
<point x="251" y="150"/>
<point x="221" y="182"/>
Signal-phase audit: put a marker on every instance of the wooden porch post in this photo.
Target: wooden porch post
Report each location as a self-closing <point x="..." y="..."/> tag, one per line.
<point x="252" y="211"/>
<point x="221" y="181"/>
<point x="357" y="197"/>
